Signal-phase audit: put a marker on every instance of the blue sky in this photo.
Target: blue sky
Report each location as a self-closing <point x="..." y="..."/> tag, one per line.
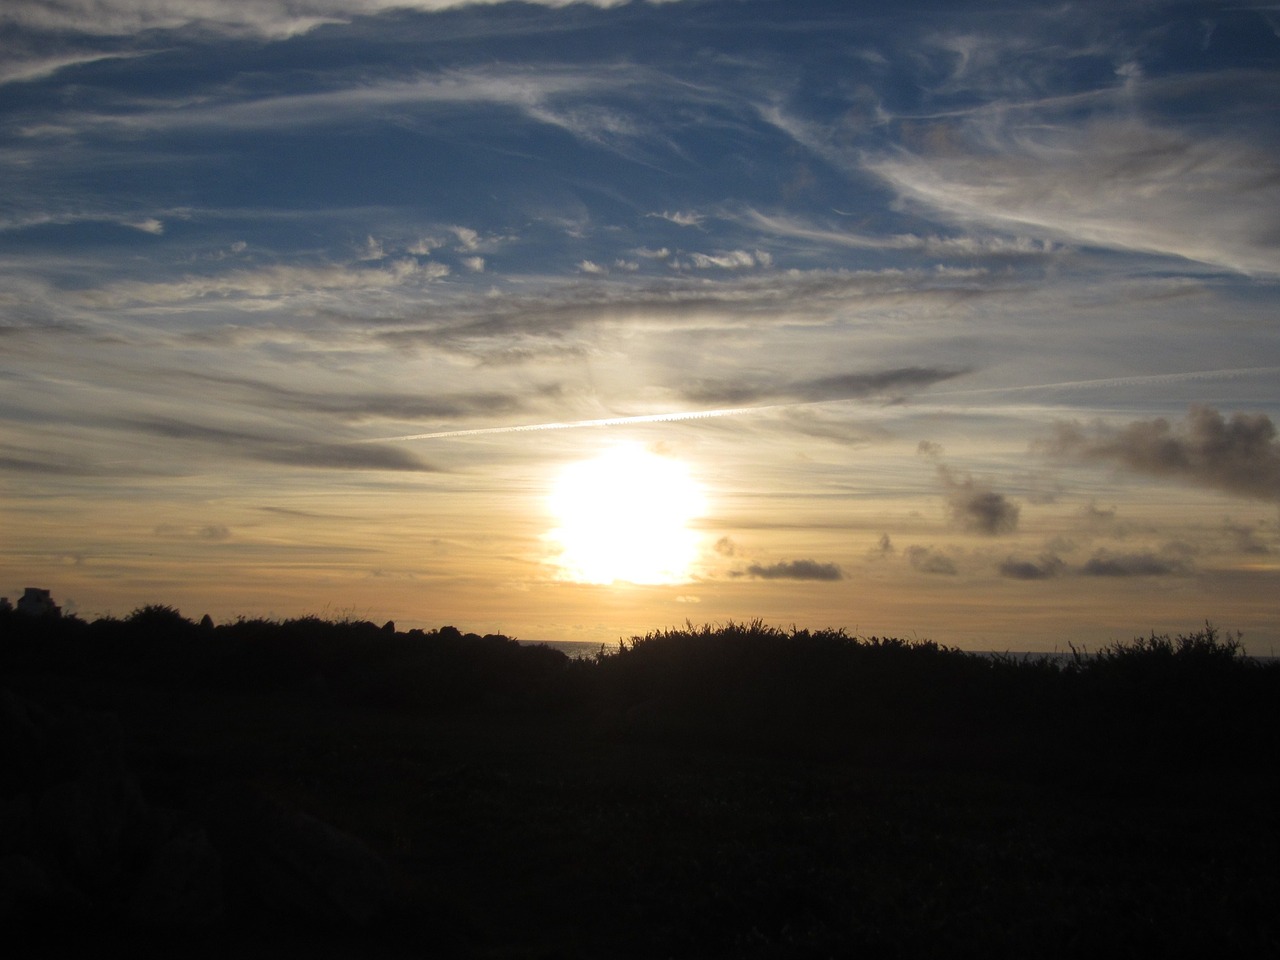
<point x="981" y="300"/>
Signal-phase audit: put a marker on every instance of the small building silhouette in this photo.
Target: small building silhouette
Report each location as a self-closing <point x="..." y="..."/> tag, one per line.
<point x="38" y="602"/>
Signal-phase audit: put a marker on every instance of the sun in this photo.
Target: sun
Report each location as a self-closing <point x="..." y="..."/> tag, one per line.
<point x="623" y="517"/>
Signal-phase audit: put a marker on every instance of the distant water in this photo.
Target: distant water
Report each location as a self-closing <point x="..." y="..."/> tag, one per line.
<point x="573" y="648"/>
<point x="589" y="648"/>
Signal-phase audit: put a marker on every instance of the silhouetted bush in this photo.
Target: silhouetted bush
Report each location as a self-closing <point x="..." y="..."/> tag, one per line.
<point x="1130" y="706"/>
<point x="718" y="790"/>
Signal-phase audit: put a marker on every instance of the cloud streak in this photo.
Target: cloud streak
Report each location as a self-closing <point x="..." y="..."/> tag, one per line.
<point x="264" y="448"/>
<point x="267" y="18"/>
<point x="882" y="383"/>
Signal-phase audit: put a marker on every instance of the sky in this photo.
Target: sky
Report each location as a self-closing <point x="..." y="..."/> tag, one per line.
<point x="940" y="320"/>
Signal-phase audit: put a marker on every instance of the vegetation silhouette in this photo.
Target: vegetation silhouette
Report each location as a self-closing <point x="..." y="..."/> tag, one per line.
<point x="732" y="790"/>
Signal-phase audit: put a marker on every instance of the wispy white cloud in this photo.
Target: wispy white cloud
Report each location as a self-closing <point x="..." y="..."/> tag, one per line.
<point x="683" y="218"/>
<point x="1120" y="184"/>
<point x="558" y="95"/>
<point x="728" y="260"/>
<point x="269" y="18"/>
<point x="935" y="245"/>
<point x="19" y="66"/>
<point x="468" y="239"/>
<point x="147" y="224"/>
<point x="267" y="282"/>
<point x="423" y="246"/>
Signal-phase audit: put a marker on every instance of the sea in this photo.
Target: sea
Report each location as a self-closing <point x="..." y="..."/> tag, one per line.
<point x="589" y="648"/>
<point x="573" y="648"/>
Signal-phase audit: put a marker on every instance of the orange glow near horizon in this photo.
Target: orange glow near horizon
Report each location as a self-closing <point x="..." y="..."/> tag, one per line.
<point x="623" y="517"/>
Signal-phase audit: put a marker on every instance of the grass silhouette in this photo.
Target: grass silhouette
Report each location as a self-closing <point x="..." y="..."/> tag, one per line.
<point x="732" y="790"/>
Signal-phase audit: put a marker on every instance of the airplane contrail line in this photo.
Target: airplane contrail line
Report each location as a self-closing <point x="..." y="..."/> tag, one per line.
<point x="1225" y="373"/>
<point x="680" y="415"/>
<point x="573" y="424"/>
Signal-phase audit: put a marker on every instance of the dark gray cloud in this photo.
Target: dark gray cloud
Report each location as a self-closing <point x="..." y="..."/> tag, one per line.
<point x="977" y="508"/>
<point x="804" y="421"/>
<point x="1245" y="539"/>
<point x="796" y="570"/>
<point x="928" y="560"/>
<point x="1095" y="515"/>
<point x="1105" y="564"/>
<point x="1046" y="566"/>
<point x="726" y="547"/>
<point x="890" y="383"/>
<point x="30" y="462"/>
<point x="366" y="406"/>
<point x="343" y="456"/>
<point x="268" y="449"/>
<point x="1239" y="455"/>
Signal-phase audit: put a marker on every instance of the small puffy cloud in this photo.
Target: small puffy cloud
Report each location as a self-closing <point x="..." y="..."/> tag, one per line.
<point x="474" y="264"/>
<point x="883" y="549"/>
<point x="423" y="246"/>
<point x="726" y="547"/>
<point x="1048" y="565"/>
<point x="1239" y="455"/>
<point x="977" y="508"/>
<point x="984" y="511"/>
<point x="730" y="260"/>
<point x="149" y="225"/>
<point x="468" y="239"/>
<point x="928" y="560"/>
<point x="1147" y="564"/>
<point x="590" y="266"/>
<point x="683" y="219"/>
<point x="796" y="570"/>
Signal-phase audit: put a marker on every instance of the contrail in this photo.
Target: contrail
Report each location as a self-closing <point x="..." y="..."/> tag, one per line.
<point x="738" y="411"/>
<point x="1224" y="374"/>
<point x="574" y="424"/>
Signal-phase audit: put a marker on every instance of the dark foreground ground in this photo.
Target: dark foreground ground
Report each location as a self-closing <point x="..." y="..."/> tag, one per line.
<point x="324" y="790"/>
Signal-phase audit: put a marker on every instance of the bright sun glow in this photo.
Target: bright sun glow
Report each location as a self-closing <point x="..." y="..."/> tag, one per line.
<point x="624" y="517"/>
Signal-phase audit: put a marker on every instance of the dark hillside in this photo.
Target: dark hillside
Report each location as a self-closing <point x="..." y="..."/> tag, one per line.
<point x="345" y="789"/>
